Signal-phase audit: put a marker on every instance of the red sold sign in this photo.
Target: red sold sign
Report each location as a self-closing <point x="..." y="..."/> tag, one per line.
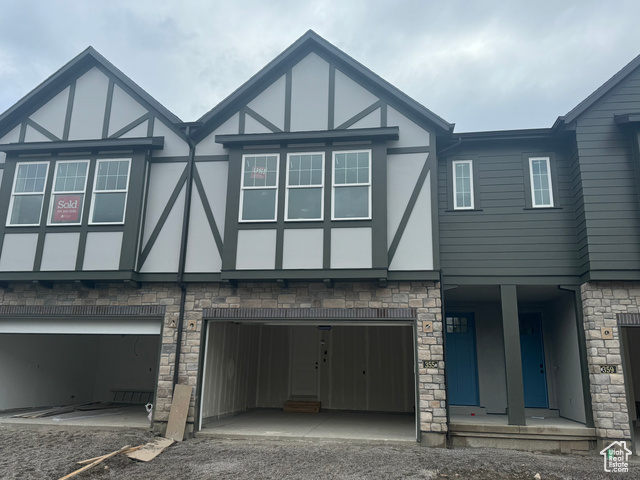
<point x="67" y="208"/>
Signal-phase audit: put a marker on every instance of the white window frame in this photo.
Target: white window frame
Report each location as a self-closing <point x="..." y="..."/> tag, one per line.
<point x="290" y="187"/>
<point x="533" y="194"/>
<point x="334" y="186"/>
<point x="455" y="185"/>
<point x="274" y="187"/>
<point x="75" y="192"/>
<point x="14" y="194"/>
<point x="125" y="190"/>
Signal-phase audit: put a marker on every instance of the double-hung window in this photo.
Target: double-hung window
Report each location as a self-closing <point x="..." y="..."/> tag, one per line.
<point x="305" y="186"/>
<point x="110" y="188"/>
<point x="351" y="195"/>
<point x="541" y="191"/>
<point x="259" y="189"/>
<point x="67" y="195"/>
<point x="27" y="196"/>
<point x="462" y="184"/>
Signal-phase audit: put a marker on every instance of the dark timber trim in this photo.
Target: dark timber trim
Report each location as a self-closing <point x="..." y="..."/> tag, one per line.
<point x="207" y="210"/>
<point x="512" y="358"/>
<point x="67" y="118"/>
<point x="163" y="218"/>
<point x="409" y="210"/>
<point x="380" y="258"/>
<point x="131" y="126"/>
<point x="152" y="143"/>
<point x="41" y="130"/>
<point x="332" y="96"/>
<point x="356" y="134"/>
<point x="82" y="241"/>
<point x="344" y="274"/>
<point x="107" y="109"/>
<point x="359" y="116"/>
<point x="287" y="100"/>
<point x="260" y="119"/>
<point x="310" y="313"/>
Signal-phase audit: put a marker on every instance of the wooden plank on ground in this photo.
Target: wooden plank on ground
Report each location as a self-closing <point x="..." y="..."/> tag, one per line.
<point x="91" y="465"/>
<point x="179" y="411"/>
<point x="151" y="450"/>
<point x="91" y="460"/>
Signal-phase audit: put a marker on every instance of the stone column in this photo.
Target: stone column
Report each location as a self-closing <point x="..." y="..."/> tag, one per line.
<point x="601" y="301"/>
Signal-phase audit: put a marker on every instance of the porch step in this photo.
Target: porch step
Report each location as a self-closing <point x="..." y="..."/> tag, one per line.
<point x="555" y="436"/>
<point x="302" y="406"/>
<point x="467" y="410"/>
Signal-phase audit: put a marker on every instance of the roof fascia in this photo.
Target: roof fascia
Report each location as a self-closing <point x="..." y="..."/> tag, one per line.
<point x="602" y="90"/>
<point x="304" y="45"/>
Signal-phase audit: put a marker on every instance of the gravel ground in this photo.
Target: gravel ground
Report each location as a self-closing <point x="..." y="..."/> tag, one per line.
<point x="50" y="453"/>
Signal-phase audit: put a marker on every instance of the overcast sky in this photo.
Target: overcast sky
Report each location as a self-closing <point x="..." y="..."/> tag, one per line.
<point x="481" y="64"/>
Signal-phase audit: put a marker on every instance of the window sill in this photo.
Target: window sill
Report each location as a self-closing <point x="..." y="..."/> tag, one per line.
<point x="543" y="208"/>
<point x="463" y="210"/>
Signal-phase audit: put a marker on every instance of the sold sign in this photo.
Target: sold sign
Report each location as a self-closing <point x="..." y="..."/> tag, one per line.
<point x="67" y="208"/>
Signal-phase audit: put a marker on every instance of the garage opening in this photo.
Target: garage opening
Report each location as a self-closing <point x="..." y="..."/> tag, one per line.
<point x="86" y="373"/>
<point x="631" y="364"/>
<point x="360" y="375"/>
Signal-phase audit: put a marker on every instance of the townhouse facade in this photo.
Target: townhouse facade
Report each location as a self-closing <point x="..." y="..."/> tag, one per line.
<point x="321" y="235"/>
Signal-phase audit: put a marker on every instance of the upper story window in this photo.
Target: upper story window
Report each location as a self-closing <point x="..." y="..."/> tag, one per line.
<point x="67" y="195"/>
<point x="259" y="189"/>
<point x="462" y="184"/>
<point x="305" y="186"/>
<point x="27" y="195"/>
<point x="541" y="191"/>
<point x="351" y="196"/>
<point x="110" y="188"/>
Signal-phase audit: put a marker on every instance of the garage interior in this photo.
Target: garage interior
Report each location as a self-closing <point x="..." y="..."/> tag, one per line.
<point x="362" y="374"/>
<point x="42" y="371"/>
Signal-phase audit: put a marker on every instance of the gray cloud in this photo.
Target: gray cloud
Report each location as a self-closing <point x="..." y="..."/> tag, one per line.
<point x="483" y="65"/>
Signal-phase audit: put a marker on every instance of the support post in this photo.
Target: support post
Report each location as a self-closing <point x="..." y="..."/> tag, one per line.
<point x="512" y="358"/>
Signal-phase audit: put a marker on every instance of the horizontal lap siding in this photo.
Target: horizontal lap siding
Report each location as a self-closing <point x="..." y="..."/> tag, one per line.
<point x="610" y="214"/>
<point x="504" y="238"/>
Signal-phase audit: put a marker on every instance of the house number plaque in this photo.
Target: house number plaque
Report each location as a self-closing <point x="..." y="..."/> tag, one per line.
<point x="430" y="364"/>
<point x="608" y="369"/>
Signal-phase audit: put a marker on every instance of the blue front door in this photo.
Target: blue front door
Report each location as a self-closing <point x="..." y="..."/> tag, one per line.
<point x="533" y="367"/>
<point x="462" y="369"/>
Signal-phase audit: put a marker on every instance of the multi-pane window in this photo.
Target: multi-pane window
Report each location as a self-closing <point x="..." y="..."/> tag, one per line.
<point x="305" y="181"/>
<point x="110" y="191"/>
<point x="456" y="325"/>
<point x="351" y="185"/>
<point x="67" y="195"/>
<point x="462" y="184"/>
<point x="541" y="192"/>
<point x="259" y="190"/>
<point x="28" y="193"/>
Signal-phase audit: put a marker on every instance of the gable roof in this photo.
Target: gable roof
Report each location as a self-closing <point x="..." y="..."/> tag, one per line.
<point x="81" y="63"/>
<point x="306" y="43"/>
<point x="600" y="92"/>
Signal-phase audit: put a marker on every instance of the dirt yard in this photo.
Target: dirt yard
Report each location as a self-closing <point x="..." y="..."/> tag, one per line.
<point x="50" y="453"/>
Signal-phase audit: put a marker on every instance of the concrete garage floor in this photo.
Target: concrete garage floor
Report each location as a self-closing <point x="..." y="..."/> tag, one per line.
<point x="326" y="425"/>
<point x="133" y="416"/>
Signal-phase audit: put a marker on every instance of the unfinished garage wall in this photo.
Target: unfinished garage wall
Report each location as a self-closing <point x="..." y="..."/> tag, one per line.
<point x="46" y="370"/>
<point x="125" y="363"/>
<point x="230" y="369"/>
<point x="371" y="368"/>
<point x="274" y="356"/>
<point x="563" y="359"/>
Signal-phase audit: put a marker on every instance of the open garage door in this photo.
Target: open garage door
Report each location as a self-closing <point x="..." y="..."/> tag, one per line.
<point x="360" y="368"/>
<point x="50" y="362"/>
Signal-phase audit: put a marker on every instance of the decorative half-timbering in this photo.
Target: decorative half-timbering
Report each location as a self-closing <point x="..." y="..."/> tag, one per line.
<point x="77" y="154"/>
<point x="331" y="172"/>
